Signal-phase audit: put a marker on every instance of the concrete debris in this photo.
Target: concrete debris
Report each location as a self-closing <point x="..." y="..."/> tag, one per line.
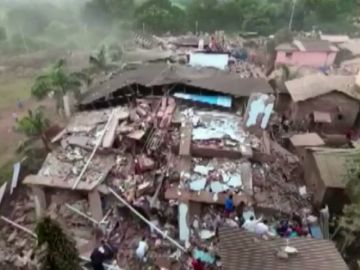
<point x="171" y="165"/>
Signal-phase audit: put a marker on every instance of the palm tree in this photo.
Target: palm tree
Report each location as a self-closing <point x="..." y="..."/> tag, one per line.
<point x="34" y="126"/>
<point x="100" y="61"/>
<point x="59" y="82"/>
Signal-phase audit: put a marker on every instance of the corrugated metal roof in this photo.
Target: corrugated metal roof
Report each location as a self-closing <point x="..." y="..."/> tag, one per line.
<point x="240" y="250"/>
<point x="286" y="47"/>
<point x="307" y="139"/>
<point x="335" y="38"/>
<point x="332" y="165"/>
<point x="315" y="45"/>
<point x="309" y="45"/>
<point x="316" y="85"/>
<point x="162" y="74"/>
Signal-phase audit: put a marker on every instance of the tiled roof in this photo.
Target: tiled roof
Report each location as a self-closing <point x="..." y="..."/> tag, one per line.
<point x="316" y="85"/>
<point x="241" y="250"/>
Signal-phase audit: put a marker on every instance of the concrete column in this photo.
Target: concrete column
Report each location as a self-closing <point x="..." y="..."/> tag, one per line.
<point x="40" y="200"/>
<point x="95" y="205"/>
<point x="67" y="105"/>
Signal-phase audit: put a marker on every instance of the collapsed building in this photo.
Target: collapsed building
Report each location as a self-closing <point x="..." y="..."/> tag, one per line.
<point x="169" y="143"/>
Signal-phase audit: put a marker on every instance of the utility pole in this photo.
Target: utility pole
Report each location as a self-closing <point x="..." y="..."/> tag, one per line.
<point x="292" y="14"/>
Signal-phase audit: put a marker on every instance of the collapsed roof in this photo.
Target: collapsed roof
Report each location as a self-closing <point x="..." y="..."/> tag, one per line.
<point x="163" y="74"/>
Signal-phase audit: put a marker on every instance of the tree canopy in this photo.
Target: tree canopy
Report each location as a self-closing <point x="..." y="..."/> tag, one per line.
<point x="60" y="251"/>
<point x="263" y="16"/>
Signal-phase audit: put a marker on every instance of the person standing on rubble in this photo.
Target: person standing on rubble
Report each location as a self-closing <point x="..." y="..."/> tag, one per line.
<point x="142" y="250"/>
<point x="101" y="254"/>
<point x="229" y="205"/>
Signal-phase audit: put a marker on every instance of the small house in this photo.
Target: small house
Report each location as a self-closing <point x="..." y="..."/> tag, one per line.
<point x="324" y="103"/>
<point x="325" y="174"/>
<point x="312" y="53"/>
<point x="239" y="249"/>
<point x="299" y="143"/>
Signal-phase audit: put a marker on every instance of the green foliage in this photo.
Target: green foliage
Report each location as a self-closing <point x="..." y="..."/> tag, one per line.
<point x="57" y="81"/>
<point x="160" y="16"/>
<point x="60" y="250"/>
<point x="33" y="126"/>
<point x="3" y="34"/>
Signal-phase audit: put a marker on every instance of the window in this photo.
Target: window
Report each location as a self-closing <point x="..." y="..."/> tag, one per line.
<point x="288" y="54"/>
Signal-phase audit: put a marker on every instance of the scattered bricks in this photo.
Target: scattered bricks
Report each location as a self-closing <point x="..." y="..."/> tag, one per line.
<point x="144" y="163"/>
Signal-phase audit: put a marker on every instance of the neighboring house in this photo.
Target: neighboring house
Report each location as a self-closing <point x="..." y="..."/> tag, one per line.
<point x="351" y="66"/>
<point x="312" y="53"/>
<point x="240" y="249"/>
<point x="325" y="175"/>
<point x="335" y="39"/>
<point x="324" y="103"/>
<point x="299" y="143"/>
<point x="348" y="50"/>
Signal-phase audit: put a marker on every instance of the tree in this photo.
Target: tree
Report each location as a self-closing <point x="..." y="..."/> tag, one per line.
<point x="160" y="16"/>
<point x="59" y="250"/>
<point x="34" y="126"/>
<point x="349" y="224"/>
<point x="59" y="82"/>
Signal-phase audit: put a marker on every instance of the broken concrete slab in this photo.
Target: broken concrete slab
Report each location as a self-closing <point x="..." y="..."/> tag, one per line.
<point x="259" y="110"/>
<point x="198" y="184"/>
<point x="95" y="205"/>
<point x="174" y="193"/>
<point x="185" y="139"/>
<point x="184" y="230"/>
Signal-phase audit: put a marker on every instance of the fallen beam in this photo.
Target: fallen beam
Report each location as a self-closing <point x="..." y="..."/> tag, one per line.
<point x="151" y="225"/>
<point x="98" y="143"/>
<point x="54" y="182"/>
<point x="18" y="226"/>
<point x="77" y="211"/>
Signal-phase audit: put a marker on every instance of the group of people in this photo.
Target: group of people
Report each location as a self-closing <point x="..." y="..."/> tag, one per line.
<point x="292" y="227"/>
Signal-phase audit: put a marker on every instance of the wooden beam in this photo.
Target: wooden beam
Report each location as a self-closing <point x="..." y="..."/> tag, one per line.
<point x="95" y="205"/>
<point x="98" y="143"/>
<point x="40" y="200"/>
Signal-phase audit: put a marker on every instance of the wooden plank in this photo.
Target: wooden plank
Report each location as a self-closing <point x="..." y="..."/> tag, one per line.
<point x="204" y="196"/>
<point x="95" y="205"/>
<point x="40" y="200"/>
<point x="15" y="177"/>
<point x="185" y="139"/>
<point x="110" y="133"/>
<point x="2" y="191"/>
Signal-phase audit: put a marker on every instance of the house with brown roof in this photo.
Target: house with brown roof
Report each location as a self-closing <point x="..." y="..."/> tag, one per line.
<point x="324" y="103"/>
<point x="311" y="53"/>
<point x="326" y="175"/>
<point x="240" y="249"/>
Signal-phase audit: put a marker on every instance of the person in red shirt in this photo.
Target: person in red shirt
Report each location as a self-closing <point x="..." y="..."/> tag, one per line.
<point x="197" y="265"/>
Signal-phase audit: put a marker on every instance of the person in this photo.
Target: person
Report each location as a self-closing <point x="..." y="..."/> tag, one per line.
<point x="196" y="264"/>
<point x="261" y="228"/>
<point x="283" y="227"/>
<point x="250" y="224"/>
<point x="239" y="213"/>
<point x="229" y="205"/>
<point x="142" y="249"/>
<point x="101" y="254"/>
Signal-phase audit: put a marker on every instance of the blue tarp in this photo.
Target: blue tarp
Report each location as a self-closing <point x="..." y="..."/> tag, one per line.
<point x="224" y="101"/>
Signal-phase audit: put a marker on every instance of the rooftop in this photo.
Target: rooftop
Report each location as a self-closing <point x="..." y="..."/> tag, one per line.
<point x="162" y="74"/>
<point x="316" y="85"/>
<point x="332" y="165"/>
<point x="308" y="45"/>
<point x="257" y="254"/>
<point x="307" y="139"/>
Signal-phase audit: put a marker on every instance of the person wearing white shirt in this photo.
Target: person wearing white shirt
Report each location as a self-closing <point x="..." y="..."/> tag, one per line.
<point x="142" y="249"/>
<point x="250" y="224"/>
<point x="262" y="228"/>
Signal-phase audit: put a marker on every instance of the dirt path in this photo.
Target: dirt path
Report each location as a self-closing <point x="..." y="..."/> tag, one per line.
<point x="9" y="139"/>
